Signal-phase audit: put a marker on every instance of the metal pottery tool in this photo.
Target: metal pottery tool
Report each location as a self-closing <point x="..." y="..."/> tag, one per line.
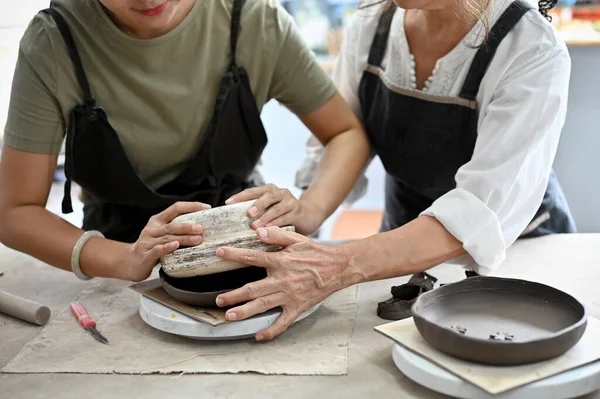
<point x="87" y="322"/>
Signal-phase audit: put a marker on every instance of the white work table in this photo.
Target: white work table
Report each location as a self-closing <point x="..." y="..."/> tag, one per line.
<point x="570" y="263"/>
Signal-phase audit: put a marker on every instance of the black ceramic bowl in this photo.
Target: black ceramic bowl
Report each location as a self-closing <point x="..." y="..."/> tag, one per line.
<point x="499" y="321"/>
<point x="202" y="291"/>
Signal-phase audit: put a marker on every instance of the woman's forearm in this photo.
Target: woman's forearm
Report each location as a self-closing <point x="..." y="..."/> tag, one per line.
<point x="27" y="226"/>
<point x="344" y="158"/>
<point x="38" y="232"/>
<point x="415" y="247"/>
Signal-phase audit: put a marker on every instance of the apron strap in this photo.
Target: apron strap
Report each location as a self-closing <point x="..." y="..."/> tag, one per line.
<point x="236" y="17"/>
<point x="486" y="52"/>
<point x="65" y="32"/>
<point x="67" y="204"/>
<point x="89" y="102"/>
<point x="380" y="40"/>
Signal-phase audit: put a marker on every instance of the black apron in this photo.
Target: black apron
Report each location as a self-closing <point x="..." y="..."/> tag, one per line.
<point x="424" y="139"/>
<point x="121" y="203"/>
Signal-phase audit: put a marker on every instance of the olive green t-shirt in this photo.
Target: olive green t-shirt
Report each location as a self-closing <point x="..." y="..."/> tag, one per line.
<point x="159" y="94"/>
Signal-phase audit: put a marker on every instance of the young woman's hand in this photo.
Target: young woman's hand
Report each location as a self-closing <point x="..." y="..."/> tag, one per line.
<point x="160" y="237"/>
<point x="276" y="206"/>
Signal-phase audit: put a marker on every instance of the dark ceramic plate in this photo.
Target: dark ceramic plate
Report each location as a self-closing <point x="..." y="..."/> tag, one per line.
<point x="203" y="290"/>
<point x="499" y="321"/>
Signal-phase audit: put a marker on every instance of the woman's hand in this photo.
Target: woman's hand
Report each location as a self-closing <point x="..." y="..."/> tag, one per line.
<point x="160" y="237"/>
<point x="301" y="275"/>
<point x="275" y="206"/>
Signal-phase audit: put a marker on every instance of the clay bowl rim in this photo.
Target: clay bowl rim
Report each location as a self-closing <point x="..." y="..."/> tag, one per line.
<point x="204" y="293"/>
<point x="551" y="336"/>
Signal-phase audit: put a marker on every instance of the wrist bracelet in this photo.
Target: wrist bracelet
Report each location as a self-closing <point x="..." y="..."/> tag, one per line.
<point x="75" y="266"/>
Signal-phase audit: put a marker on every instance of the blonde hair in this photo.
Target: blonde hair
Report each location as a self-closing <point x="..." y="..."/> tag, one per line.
<point x="480" y="10"/>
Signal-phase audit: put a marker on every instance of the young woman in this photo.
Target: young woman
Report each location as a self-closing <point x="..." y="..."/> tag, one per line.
<point x="160" y="103"/>
<point x="464" y="102"/>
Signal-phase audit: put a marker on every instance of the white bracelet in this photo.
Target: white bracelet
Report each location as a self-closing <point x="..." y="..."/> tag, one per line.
<point x="75" y="266"/>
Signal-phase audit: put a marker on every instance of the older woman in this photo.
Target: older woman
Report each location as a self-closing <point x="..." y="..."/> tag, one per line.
<point x="464" y="103"/>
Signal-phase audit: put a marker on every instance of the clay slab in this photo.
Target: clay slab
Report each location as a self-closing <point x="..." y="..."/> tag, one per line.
<point x="226" y="226"/>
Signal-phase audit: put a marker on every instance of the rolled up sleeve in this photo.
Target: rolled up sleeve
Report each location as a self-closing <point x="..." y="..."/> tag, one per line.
<point x="500" y="190"/>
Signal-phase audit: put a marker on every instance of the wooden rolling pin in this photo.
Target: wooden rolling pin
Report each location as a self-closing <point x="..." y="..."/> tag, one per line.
<point x="24" y="309"/>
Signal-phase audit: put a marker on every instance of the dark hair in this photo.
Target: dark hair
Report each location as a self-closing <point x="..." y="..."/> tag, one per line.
<point x="546" y="5"/>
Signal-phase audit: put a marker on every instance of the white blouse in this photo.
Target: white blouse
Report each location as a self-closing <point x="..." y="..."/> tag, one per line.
<point x="522" y="104"/>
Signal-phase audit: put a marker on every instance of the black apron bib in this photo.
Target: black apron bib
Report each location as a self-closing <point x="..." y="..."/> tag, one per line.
<point x="424" y="139"/>
<point x="121" y="203"/>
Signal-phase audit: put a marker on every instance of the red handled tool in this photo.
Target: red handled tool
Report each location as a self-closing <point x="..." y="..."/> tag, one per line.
<point x="86" y="321"/>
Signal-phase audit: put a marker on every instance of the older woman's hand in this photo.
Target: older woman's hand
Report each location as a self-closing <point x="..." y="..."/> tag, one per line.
<point x="301" y="275"/>
<point x="276" y="206"/>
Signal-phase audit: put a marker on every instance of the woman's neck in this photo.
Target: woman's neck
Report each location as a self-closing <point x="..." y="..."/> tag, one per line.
<point x="440" y="26"/>
<point x="433" y="33"/>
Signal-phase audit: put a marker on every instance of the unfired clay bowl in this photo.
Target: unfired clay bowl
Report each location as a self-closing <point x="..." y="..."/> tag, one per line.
<point x="500" y="321"/>
<point x="202" y="291"/>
